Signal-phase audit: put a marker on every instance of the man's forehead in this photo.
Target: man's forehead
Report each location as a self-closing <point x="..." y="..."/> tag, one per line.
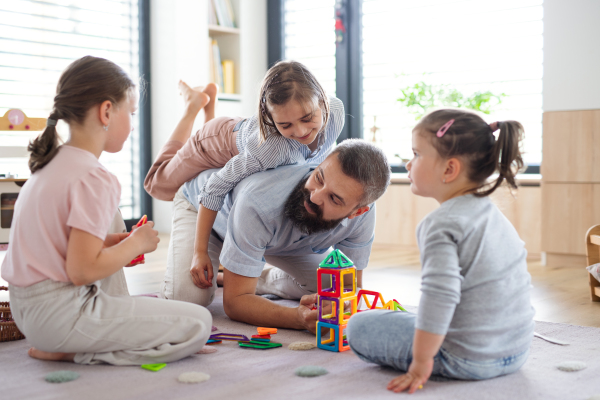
<point x="338" y="182"/>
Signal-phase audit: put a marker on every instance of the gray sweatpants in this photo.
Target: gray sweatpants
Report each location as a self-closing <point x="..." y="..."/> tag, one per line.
<point x="100" y="322"/>
<point x="289" y="277"/>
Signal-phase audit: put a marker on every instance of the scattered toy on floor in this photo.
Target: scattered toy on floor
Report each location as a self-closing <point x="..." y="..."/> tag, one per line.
<point x="259" y="345"/>
<point x="214" y="341"/>
<point x="229" y="336"/>
<point x="301" y="346"/>
<point x="266" y="331"/>
<point x="310" y="371"/>
<point x="154" y="367"/>
<point x="572" y="366"/>
<point x="193" y="377"/>
<point x="61" y="376"/>
<point x="207" y="350"/>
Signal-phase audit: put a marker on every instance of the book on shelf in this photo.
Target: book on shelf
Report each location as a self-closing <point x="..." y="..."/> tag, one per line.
<point x="228" y="77"/>
<point x="212" y="16"/>
<point x="223" y="11"/>
<point x="216" y="66"/>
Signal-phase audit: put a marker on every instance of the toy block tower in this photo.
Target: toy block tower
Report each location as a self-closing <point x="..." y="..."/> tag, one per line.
<point x="334" y="292"/>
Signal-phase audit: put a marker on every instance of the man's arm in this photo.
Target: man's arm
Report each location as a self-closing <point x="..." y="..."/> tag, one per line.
<point x="242" y="304"/>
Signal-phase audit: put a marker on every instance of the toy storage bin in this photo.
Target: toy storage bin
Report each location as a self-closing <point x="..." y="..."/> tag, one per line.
<point x="8" y="328"/>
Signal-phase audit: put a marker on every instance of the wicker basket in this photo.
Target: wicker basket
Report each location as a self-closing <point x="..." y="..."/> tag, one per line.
<point x="8" y="328"/>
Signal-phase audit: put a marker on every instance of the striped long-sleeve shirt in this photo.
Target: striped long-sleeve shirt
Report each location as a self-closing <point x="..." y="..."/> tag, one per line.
<point x="275" y="151"/>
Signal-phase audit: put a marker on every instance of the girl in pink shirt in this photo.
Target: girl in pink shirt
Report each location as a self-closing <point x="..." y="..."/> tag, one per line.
<point x="65" y="270"/>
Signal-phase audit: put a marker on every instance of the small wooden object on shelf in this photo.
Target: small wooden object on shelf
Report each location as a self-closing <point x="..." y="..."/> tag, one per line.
<point x="8" y="328"/>
<point x="592" y="241"/>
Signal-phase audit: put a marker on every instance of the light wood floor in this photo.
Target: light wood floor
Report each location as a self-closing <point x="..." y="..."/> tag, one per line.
<point x="558" y="295"/>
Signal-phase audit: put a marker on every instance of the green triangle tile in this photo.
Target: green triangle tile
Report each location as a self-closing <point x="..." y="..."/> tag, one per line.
<point x="153" y="367"/>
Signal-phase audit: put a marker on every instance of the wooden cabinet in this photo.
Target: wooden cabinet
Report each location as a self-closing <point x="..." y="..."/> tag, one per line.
<point x="570" y="184"/>
<point x="399" y="212"/>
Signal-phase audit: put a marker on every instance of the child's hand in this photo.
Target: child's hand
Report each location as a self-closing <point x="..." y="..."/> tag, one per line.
<point x="307" y="316"/>
<point x="418" y="373"/>
<point x="202" y="270"/>
<point x="146" y="236"/>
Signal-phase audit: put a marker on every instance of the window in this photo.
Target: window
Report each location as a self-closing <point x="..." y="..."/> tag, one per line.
<point x="471" y="46"/>
<point x="38" y="40"/>
<point x="310" y="38"/>
<point x="468" y="45"/>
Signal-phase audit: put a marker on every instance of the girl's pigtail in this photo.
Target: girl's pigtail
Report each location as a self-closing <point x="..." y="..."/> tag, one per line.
<point x="45" y="146"/>
<point x="507" y="154"/>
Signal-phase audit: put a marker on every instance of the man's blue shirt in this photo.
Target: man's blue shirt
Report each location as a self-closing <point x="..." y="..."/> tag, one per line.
<point x="252" y="223"/>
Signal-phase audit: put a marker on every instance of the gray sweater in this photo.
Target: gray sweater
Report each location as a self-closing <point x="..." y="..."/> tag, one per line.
<point x="475" y="284"/>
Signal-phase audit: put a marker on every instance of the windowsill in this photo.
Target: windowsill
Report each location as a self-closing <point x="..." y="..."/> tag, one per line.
<point x="522" y="179"/>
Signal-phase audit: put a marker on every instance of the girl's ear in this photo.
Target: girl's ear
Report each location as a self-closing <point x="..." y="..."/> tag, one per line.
<point x="452" y="171"/>
<point x="106" y="108"/>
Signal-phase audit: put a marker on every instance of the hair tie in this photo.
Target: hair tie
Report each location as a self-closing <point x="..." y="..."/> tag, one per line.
<point x="494" y="126"/>
<point x="50" y="122"/>
<point x="444" y="128"/>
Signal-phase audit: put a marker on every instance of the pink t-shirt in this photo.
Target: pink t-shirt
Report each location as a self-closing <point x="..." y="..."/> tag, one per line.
<point x="72" y="191"/>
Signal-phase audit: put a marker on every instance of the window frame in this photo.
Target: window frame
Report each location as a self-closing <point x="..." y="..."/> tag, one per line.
<point x="349" y="67"/>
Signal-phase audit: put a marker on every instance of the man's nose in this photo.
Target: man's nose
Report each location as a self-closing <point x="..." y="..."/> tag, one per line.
<point x="316" y="196"/>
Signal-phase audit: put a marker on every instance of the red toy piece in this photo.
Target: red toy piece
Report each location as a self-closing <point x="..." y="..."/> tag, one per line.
<point x="141" y="257"/>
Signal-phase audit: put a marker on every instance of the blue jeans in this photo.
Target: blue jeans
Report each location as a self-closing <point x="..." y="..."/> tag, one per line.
<point x="386" y="338"/>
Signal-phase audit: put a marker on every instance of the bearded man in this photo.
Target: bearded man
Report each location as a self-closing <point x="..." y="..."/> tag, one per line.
<point x="288" y="217"/>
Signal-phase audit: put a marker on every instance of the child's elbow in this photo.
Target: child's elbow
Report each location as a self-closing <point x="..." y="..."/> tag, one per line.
<point x="77" y="276"/>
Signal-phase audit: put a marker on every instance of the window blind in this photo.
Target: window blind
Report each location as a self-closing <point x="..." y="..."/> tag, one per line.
<point x="38" y="40"/>
<point x="310" y="38"/>
<point x="475" y="45"/>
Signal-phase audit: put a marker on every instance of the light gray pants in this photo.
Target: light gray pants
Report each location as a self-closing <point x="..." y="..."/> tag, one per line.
<point x="100" y="322"/>
<point x="289" y="277"/>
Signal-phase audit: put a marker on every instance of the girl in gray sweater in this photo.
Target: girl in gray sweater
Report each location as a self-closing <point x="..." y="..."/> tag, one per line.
<point x="475" y="319"/>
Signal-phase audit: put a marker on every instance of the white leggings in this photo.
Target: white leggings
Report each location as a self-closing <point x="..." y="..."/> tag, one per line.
<point x="101" y="323"/>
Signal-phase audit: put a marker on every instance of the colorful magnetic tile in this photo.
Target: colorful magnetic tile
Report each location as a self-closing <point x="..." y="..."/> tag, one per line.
<point x="332" y="317"/>
<point x="260" y="340"/>
<point x="153" y="367"/>
<point x="336" y="340"/>
<point x="229" y="336"/>
<point x="258" y="345"/>
<point x="266" y="331"/>
<point x="336" y="259"/>
<point x="213" y="341"/>
<point x="261" y="336"/>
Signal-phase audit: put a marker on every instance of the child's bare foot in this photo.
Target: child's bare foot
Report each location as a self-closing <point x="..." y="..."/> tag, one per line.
<point x="209" y="110"/>
<point x="195" y="99"/>
<point x="44" y="355"/>
<point x="220" y="279"/>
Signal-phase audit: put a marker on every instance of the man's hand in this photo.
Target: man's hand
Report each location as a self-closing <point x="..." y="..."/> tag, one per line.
<point x="202" y="270"/>
<point x="307" y="316"/>
<point x="418" y="373"/>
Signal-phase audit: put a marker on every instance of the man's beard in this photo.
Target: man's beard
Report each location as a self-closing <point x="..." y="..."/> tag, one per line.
<point x="308" y="223"/>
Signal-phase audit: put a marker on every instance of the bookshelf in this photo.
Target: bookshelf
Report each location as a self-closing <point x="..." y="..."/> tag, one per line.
<point x="227" y="40"/>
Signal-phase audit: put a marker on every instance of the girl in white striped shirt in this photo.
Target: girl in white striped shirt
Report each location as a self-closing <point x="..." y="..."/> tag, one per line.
<point x="296" y="123"/>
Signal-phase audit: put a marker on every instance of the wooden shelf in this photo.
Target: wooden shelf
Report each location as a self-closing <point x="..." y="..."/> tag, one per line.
<point x="215" y="30"/>
<point x="7" y="208"/>
<point x="230" y="97"/>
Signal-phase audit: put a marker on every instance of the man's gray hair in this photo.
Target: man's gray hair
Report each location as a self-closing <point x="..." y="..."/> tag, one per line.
<point x="366" y="164"/>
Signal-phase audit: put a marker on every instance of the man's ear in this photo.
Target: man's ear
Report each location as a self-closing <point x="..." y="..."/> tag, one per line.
<point x="359" y="211"/>
<point x="453" y="169"/>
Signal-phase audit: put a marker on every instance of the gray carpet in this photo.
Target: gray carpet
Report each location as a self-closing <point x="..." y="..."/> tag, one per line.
<point x="238" y="373"/>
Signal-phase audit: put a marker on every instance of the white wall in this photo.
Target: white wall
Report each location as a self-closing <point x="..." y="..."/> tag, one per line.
<point x="571" y="55"/>
<point x="179" y="38"/>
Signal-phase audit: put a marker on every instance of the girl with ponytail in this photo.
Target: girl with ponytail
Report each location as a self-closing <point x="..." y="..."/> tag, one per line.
<point x="475" y="319"/>
<point x="68" y="243"/>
